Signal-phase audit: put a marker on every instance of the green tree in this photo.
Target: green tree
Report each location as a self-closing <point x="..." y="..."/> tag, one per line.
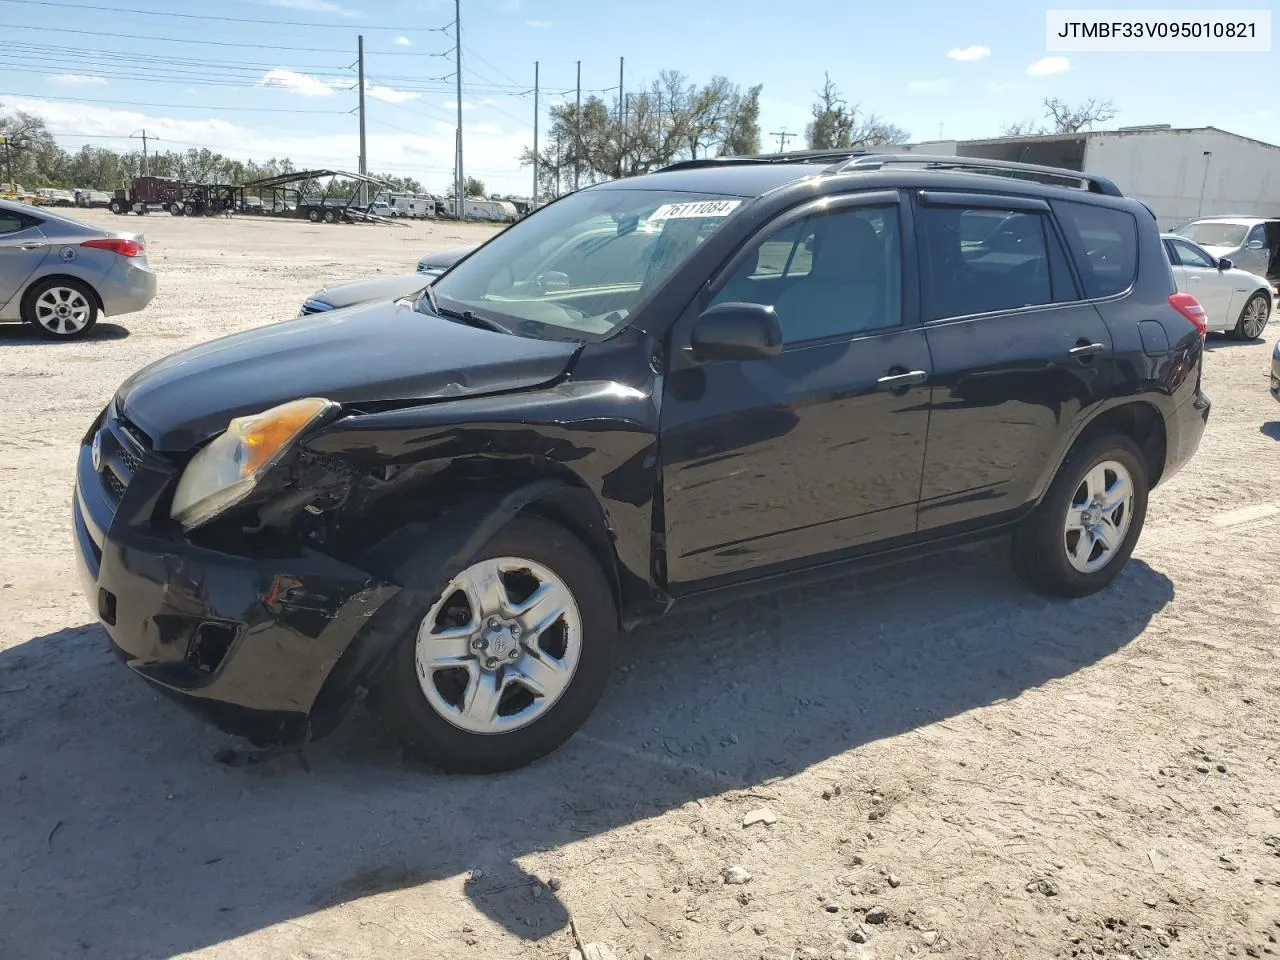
<point x="837" y="125"/>
<point x="475" y="188"/>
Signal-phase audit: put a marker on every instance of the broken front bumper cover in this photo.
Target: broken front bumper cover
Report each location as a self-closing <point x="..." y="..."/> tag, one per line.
<point x="264" y="648"/>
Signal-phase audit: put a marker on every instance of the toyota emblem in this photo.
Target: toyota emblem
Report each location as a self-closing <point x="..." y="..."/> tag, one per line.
<point x="96" y="452"/>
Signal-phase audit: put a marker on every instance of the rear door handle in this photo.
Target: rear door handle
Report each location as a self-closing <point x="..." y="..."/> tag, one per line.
<point x="1083" y="350"/>
<point x="899" y="381"/>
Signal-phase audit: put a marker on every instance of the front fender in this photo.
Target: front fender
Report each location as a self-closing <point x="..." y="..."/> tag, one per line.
<point x="420" y="558"/>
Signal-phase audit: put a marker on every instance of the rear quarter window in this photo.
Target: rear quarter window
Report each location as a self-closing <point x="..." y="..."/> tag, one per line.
<point x="1104" y="245"/>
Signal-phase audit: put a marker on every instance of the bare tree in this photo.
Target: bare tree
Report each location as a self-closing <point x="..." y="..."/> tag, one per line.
<point x="837" y="125"/>
<point x="1063" y="118"/>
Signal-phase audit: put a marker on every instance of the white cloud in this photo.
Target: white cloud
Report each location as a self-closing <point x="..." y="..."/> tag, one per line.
<point x="929" y="86"/>
<point x="538" y="24"/>
<point x="402" y="42"/>
<point x="77" y="80"/>
<point x="299" y="83"/>
<point x="389" y="94"/>
<point x="969" y="53"/>
<point x="315" y="6"/>
<point x="428" y="155"/>
<point x="1048" y="66"/>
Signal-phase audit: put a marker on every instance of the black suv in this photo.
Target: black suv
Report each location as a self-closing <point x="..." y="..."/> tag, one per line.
<point x="749" y="367"/>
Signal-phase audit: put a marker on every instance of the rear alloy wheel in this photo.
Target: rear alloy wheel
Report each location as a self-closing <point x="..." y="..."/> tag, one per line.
<point x="510" y="659"/>
<point x="1253" y="318"/>
<point x="61" y="309"/>
<point x="1081" y="535"/>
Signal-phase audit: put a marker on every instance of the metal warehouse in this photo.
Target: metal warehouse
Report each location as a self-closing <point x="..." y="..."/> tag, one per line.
<point x="1181" y="173"/>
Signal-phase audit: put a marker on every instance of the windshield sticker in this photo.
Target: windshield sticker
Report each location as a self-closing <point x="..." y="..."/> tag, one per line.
<point x="687" y="211"/>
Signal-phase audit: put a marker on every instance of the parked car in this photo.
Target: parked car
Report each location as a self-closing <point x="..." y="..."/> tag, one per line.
<point x="385" y="288"/>
<point x="60" y="275"/>
<point x="381" y="208"/>
<point x="1235" y="301"/>
<point x="1251" y="243"/>
<point x="804" y="362"/>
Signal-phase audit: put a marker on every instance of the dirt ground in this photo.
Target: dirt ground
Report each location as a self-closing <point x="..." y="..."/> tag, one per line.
<point x="1003" y="776"/>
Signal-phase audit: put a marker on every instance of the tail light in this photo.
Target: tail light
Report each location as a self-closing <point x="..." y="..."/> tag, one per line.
<point x="1189" y="307"/>
<point x="121" y="245"/>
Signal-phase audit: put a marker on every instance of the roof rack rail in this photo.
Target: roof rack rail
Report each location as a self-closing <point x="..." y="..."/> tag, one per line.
<point x="794" y="156"/>
<point x="1089" y="181"/>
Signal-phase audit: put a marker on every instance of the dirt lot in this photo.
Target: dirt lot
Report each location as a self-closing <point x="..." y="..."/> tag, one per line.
<point x="1003" y="776"/>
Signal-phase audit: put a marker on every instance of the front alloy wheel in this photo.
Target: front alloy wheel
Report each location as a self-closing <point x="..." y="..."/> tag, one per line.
<point x="500" y="646"/>
<point x="511" y="656"/>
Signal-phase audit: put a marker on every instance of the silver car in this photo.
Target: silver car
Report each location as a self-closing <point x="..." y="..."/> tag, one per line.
<point x="1234" y="300"/>
<point x="385" y="288"/>
<point x="60" y="276"/>
<point x="1251" y="243"/>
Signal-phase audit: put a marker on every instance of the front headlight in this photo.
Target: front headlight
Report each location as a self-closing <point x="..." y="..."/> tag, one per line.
<point x="227" y="470"/>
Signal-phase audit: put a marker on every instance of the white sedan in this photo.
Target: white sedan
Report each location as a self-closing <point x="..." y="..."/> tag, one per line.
<point x="1234" y="301"/>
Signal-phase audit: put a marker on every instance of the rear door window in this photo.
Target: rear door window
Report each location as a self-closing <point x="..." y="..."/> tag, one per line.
<point x="1104" y="244"/>
<point x="989" y="259"/>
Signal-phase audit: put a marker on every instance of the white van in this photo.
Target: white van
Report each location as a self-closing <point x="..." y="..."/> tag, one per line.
<point x="405" y="205"/>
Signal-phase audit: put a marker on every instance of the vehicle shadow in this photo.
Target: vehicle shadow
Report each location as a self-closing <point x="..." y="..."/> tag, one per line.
<point x="122" y="837"/>
<point x="22" y="333"/>
<point x="1217" y="341"/>
<point x="1271" y="429"/>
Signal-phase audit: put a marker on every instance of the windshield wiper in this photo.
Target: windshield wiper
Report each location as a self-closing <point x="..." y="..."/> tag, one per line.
<point x="468" y="317"/>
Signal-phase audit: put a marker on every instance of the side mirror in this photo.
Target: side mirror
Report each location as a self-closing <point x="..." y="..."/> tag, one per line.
<point x="737" y="331"/>
<point x="1253" y="245"/>
<point x="1224" y="263"/>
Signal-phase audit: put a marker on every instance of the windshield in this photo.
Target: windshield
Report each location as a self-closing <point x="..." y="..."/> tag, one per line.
<point x="579" y="267"/>
<point x="1215" y="233"/>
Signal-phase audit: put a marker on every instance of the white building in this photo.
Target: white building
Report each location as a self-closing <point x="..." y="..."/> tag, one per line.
<point x="1180" y="173"/>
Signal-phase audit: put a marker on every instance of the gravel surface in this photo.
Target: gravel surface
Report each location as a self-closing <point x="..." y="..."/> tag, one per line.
<point x="955" y="765"/>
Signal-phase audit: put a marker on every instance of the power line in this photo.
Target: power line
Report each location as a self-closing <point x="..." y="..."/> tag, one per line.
<point x="62" y="5"/>
<point x="171" y="106"/>
<point x="151" y="38"/>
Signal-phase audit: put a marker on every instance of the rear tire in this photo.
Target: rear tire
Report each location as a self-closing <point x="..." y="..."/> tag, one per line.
<point x="189" y="209"/>
<point x="1253" y="318"/>
<point x="60" y="308"/>
<point x="175" y="209"/>
<point x="313" y="216"/>
<point x="436" y="708"/>
<point x="330" y="216"/>
<point x="1089" y="492"/>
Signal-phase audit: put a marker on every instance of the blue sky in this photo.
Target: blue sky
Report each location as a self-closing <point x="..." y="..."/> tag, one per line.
<point x="930" y="66"/>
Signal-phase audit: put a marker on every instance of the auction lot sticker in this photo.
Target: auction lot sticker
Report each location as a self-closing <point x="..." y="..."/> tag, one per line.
<point x="688" y="211"/>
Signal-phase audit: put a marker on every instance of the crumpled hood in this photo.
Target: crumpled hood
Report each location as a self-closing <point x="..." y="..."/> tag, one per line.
<point x="382" y="351"/>
<point x="367" y="291"/>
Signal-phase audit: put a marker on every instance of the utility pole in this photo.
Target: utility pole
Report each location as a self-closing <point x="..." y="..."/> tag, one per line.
<point x="144" y="148"/>
<point x="577" y="128"/>
<point x="1204" y="182"/>
<point x="364" y="166"/>
<point x="783" y="136"/>
<point x="459" y="180"/>
<point x="534" y="203"/>
<point x="620" y="94"/>
<point x="8" y="162"/>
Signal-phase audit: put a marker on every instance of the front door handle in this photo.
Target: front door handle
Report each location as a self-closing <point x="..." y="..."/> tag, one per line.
<point x="900" y="381"/>
<point x="1083" y="350"/>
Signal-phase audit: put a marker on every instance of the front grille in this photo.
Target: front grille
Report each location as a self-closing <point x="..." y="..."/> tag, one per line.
<point x="122" y="453"/>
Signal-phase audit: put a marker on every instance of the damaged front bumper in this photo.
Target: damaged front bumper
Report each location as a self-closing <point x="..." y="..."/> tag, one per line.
<point x="252" y="644"/>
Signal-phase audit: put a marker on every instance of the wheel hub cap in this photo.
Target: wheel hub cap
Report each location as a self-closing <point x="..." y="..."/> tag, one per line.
<point x="497" y="643"/>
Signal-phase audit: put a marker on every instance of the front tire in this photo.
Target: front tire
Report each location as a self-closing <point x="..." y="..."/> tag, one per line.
<point x="1084" y="530"/>
<point x="1253" y="318"/>
<point x="115" y="207"/>
<point x="60" y="308"/>
<point x="510" y="659"/>
<point x="330" y="216"/>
